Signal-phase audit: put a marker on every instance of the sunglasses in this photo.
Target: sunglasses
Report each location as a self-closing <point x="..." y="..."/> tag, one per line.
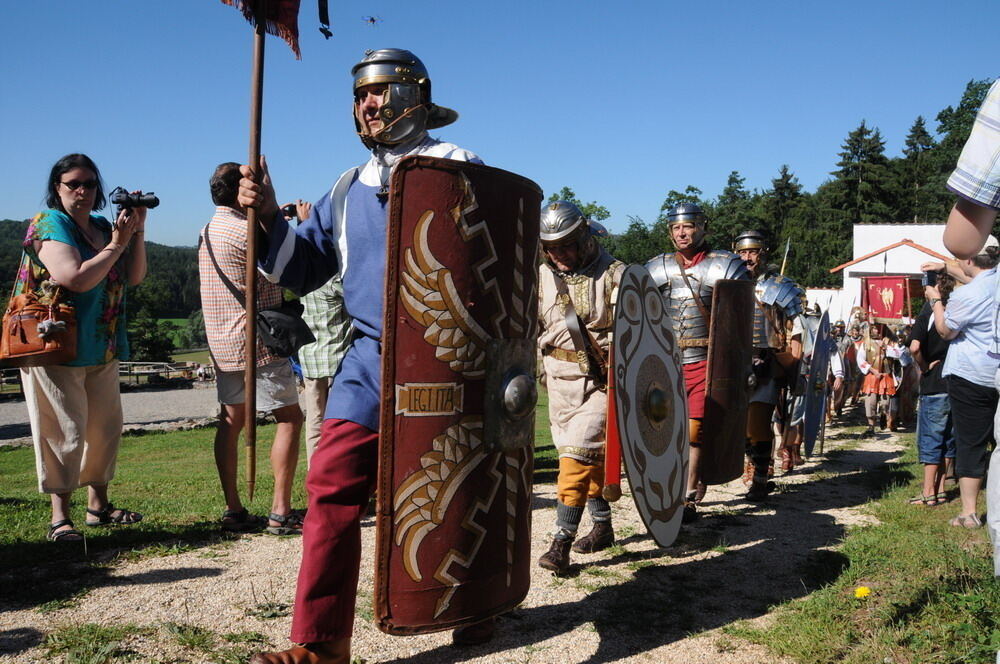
<point x="73" y="185"/>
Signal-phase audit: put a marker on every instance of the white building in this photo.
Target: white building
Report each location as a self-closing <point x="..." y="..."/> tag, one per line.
<point x="881" y="249"/>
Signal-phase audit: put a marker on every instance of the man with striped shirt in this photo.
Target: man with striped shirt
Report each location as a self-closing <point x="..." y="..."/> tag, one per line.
<point x="222" y="259"/>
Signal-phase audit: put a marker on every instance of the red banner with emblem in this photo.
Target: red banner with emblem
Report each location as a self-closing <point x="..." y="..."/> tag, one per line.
<point x="885" y="297"/>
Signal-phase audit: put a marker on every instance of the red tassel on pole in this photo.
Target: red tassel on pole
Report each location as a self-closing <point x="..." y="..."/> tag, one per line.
<point x="280" y="18"/>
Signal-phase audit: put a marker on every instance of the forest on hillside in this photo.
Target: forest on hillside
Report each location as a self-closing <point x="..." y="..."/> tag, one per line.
<point x="866" y="186"/>
<point x="170" y="289"/>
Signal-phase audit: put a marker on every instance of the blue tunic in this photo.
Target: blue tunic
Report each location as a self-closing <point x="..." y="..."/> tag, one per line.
<point x="352" y="242"/>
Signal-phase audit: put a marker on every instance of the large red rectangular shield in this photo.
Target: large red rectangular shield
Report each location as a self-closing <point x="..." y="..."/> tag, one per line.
<point x="457" y="423"/>
<point x="730" y="344"/>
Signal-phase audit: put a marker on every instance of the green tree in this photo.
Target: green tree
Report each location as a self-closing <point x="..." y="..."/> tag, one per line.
<point x="637" y="244"/>
<point x="592" y="210"/>
<point x="916" y="199"/>
<point x="954" y="127"/>
<point x="733" y="213"/>
<point x="691" y="194"/>
<point x="863" y="183"/>
<point x="150" y="340"/>
<point x="780" y="202"/>
<point x="195" y="329"/>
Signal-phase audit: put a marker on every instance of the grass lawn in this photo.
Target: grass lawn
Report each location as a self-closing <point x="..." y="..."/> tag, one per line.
<point x="171" y="479"/>
<point x="931" y="593"/>
<point x="199" y="356"/>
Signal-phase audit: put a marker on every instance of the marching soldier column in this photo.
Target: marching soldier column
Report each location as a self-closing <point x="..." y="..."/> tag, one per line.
<point x="577" y="287"/>
<point x="687" y="279"/>
<point x="778" y="300"/>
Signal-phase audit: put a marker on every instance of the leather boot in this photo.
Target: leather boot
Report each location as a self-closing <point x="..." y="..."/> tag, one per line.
<point x="890" y="423"/>
<point x="475" y="634"/>
<point x="786" y="459"/>
<point x="556" y="559"/>
<point x="325" y="652"/>
<point x="600" y="537"/>
<point x="797" y="455"/>
<point x="759" y="489"/>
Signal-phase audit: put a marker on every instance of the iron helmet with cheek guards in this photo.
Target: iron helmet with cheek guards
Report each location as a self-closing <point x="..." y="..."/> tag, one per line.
<point x="406" y="110"/>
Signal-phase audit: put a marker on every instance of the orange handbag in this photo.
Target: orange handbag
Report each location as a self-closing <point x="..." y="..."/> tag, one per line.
<point x="36" y="334"/>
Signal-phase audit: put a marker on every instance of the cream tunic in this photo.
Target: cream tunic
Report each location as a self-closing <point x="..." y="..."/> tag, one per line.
<point x="577" y="408"/>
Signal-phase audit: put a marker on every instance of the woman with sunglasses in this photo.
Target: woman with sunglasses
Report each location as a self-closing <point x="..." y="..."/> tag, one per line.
<point x="75" y="408"/>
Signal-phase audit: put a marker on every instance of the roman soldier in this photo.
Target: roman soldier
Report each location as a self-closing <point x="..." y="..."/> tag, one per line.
<point x="779" y="300"/>
<point x="577" y="287"/>
<point x="877" y="361"/>
<point x="687" y="278"/>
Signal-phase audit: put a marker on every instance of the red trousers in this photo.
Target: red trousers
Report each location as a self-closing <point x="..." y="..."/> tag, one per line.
<point x="340" y="481"/>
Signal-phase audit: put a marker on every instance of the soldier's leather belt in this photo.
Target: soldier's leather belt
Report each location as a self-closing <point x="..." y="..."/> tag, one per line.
<point x="561" y="354"/>
<point x="693" y="343"/>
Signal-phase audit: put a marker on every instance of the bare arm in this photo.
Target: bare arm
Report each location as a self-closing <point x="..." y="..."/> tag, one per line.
<point x="64" y="263"/>
<point x="967" y="228"/>
<point x="918" y="357"/>
<point x="137" y="251"/>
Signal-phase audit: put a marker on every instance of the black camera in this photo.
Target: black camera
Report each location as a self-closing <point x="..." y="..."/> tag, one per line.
<point x="290" y="211"/>
<point x="124" y="199"/>
<point x="929" y="278"/>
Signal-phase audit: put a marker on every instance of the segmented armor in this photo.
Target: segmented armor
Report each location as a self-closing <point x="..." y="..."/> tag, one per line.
<point x="690" y="326"/>
<point x="778" y="299"/>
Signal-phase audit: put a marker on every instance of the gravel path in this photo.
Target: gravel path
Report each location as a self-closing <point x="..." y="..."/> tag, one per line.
<point x="143" y="409"/>
<point x="636" y="603"/>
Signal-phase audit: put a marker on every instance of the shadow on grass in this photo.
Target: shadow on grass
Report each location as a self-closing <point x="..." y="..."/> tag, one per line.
<point x="39" y="573"/>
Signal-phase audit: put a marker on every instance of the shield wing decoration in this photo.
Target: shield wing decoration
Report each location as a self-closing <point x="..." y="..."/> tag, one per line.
<point x="651" y="405"/>
<point x="458" y="390"/>
<point x="727" y="396"/>
<point x="816" y="384"/>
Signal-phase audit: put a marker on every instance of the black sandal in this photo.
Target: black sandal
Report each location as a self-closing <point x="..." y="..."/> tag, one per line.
<point x="290" y="524"/>
<point x="242" y="521"/>
<point x="71" y="534"/>
<point x="107" y="516"/>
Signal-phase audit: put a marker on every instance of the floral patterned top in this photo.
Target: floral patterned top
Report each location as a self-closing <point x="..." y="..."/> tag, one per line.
<point x="100" y="311"/>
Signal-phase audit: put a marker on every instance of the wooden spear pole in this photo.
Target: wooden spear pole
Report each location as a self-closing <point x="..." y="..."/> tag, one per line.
<point x="249" y="375"/>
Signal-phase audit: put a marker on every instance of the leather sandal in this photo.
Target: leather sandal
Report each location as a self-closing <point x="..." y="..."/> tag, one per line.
<point x="112" y="516"/>
<point x="242" y="521"/>
<point x="970" y="521"/>
<point x="70" y="534"/>
<point x="288" y="524"/>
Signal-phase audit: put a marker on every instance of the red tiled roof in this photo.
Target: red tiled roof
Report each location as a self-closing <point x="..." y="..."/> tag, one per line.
<point x="908" y="243"/>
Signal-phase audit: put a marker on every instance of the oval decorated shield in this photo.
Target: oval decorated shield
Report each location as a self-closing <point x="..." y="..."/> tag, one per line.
<point x="651" y="405"/>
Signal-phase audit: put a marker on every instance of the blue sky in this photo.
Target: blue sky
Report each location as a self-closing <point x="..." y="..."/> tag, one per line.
<point x="622" y="101"/>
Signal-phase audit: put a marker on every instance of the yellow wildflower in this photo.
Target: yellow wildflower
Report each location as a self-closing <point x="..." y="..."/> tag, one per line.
<point x="862" y="592"/>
